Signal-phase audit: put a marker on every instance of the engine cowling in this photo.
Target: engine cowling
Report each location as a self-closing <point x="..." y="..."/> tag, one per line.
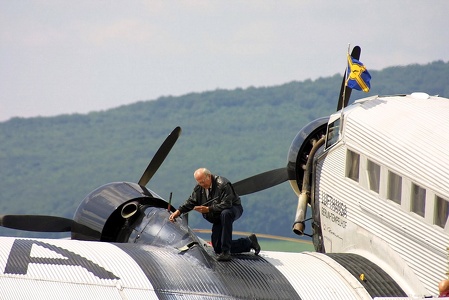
<point x="102" y="214"/>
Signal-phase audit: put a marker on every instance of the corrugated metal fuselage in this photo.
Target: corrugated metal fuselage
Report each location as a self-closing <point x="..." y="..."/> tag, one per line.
<point x="384" y="184"/>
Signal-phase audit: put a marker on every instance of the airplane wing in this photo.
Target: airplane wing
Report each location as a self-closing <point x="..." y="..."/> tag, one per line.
<point x="71" y="269"/>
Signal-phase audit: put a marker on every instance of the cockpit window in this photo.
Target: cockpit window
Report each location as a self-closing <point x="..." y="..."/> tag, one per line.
<point x="333" y="133"/>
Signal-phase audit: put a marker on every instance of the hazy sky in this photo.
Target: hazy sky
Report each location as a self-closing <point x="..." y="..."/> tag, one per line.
<point x="61" y="56"/>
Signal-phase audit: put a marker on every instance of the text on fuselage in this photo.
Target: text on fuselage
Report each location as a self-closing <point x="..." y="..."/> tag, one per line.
<point x="333" y="209"/>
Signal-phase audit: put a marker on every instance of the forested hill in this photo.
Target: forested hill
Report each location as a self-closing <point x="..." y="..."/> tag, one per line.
<point x="48" y="165"/>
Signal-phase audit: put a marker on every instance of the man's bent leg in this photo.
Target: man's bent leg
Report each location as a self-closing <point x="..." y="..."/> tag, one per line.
<point x="241" y="245"/>
<point x="227" y="219"/>
<point x="216" y="237"/>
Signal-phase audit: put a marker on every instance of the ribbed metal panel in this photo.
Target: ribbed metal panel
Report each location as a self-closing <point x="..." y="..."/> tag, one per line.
<point x="412" y="144"/>
<point x="67" y="269"/>
<point x="11" y="288"/>
<point x="375" y="280"/>
<point x="411" y="136"/>
<point x="316" y="276"/>
<point x="389" y="223"/>
<point x="247" y="276"/>
<point x="103" y="254"/>
<point x="59" y="269"/>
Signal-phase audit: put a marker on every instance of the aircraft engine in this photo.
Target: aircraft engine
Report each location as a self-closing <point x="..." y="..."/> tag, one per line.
<point x="108" y="213"/>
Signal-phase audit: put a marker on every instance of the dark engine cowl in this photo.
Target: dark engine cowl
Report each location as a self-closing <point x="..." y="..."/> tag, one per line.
<point x="99" y="216"/>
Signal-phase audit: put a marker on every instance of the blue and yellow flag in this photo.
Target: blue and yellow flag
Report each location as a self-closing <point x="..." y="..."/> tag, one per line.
<point x="358" y="76"/>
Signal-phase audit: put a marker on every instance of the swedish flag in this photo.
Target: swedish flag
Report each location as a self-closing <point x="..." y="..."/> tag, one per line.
<point x="358" y="76"/>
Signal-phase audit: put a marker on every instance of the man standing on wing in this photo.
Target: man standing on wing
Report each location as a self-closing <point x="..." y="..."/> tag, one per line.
<point x="215" y="198"/>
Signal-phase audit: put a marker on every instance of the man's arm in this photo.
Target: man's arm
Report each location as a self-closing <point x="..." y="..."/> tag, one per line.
<point x="188" y="205"/>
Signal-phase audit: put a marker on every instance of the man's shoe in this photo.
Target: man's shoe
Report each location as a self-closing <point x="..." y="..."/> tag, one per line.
<point x="225" y="256"/>
<point x="254" y="244"/>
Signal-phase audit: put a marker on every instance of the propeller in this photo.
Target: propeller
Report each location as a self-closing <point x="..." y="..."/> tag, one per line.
<point x="41" y="223"/>
<point x="36" y="223"/>
<point x="342" y="103"/>
<point x="160" y="156"/>
<point x="261" y="181"/>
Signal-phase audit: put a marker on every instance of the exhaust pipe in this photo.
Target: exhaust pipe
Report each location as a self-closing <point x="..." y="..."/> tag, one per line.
<point x="299" y="225"/>
<point x="129" y="209"/>
<point x="304" y="197"/>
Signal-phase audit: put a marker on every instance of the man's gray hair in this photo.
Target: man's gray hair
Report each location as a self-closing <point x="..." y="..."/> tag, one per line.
<point x="204" y="171"/>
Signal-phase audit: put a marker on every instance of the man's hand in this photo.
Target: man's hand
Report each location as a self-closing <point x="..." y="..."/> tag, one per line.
<point x="202" y="209"/>
<point x="174" y="215"/>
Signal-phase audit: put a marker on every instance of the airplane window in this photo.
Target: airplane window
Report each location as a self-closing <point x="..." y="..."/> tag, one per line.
<point x="418" y="200"/>
<point x="374" y="176"/>
<point x="333" y="133"/>
<point x="441" y="211"/>
<point x="352" y="165"/>
<point x="394" y="187"/>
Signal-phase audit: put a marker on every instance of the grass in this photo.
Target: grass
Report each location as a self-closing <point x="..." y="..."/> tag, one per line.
<point x="285" y="246"/>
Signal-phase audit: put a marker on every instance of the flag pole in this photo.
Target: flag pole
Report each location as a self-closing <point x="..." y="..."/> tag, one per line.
<point x="344" y="91"/>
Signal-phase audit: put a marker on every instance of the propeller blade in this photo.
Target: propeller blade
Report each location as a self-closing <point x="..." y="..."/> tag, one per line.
<point x="261" y="181"/>
<point x="36" y="223"/>
<point x="342" y="103"/>
<point x="160" y="156"/>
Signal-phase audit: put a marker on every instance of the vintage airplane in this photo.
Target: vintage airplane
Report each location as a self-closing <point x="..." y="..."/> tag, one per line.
<point x="375" y="175"/>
